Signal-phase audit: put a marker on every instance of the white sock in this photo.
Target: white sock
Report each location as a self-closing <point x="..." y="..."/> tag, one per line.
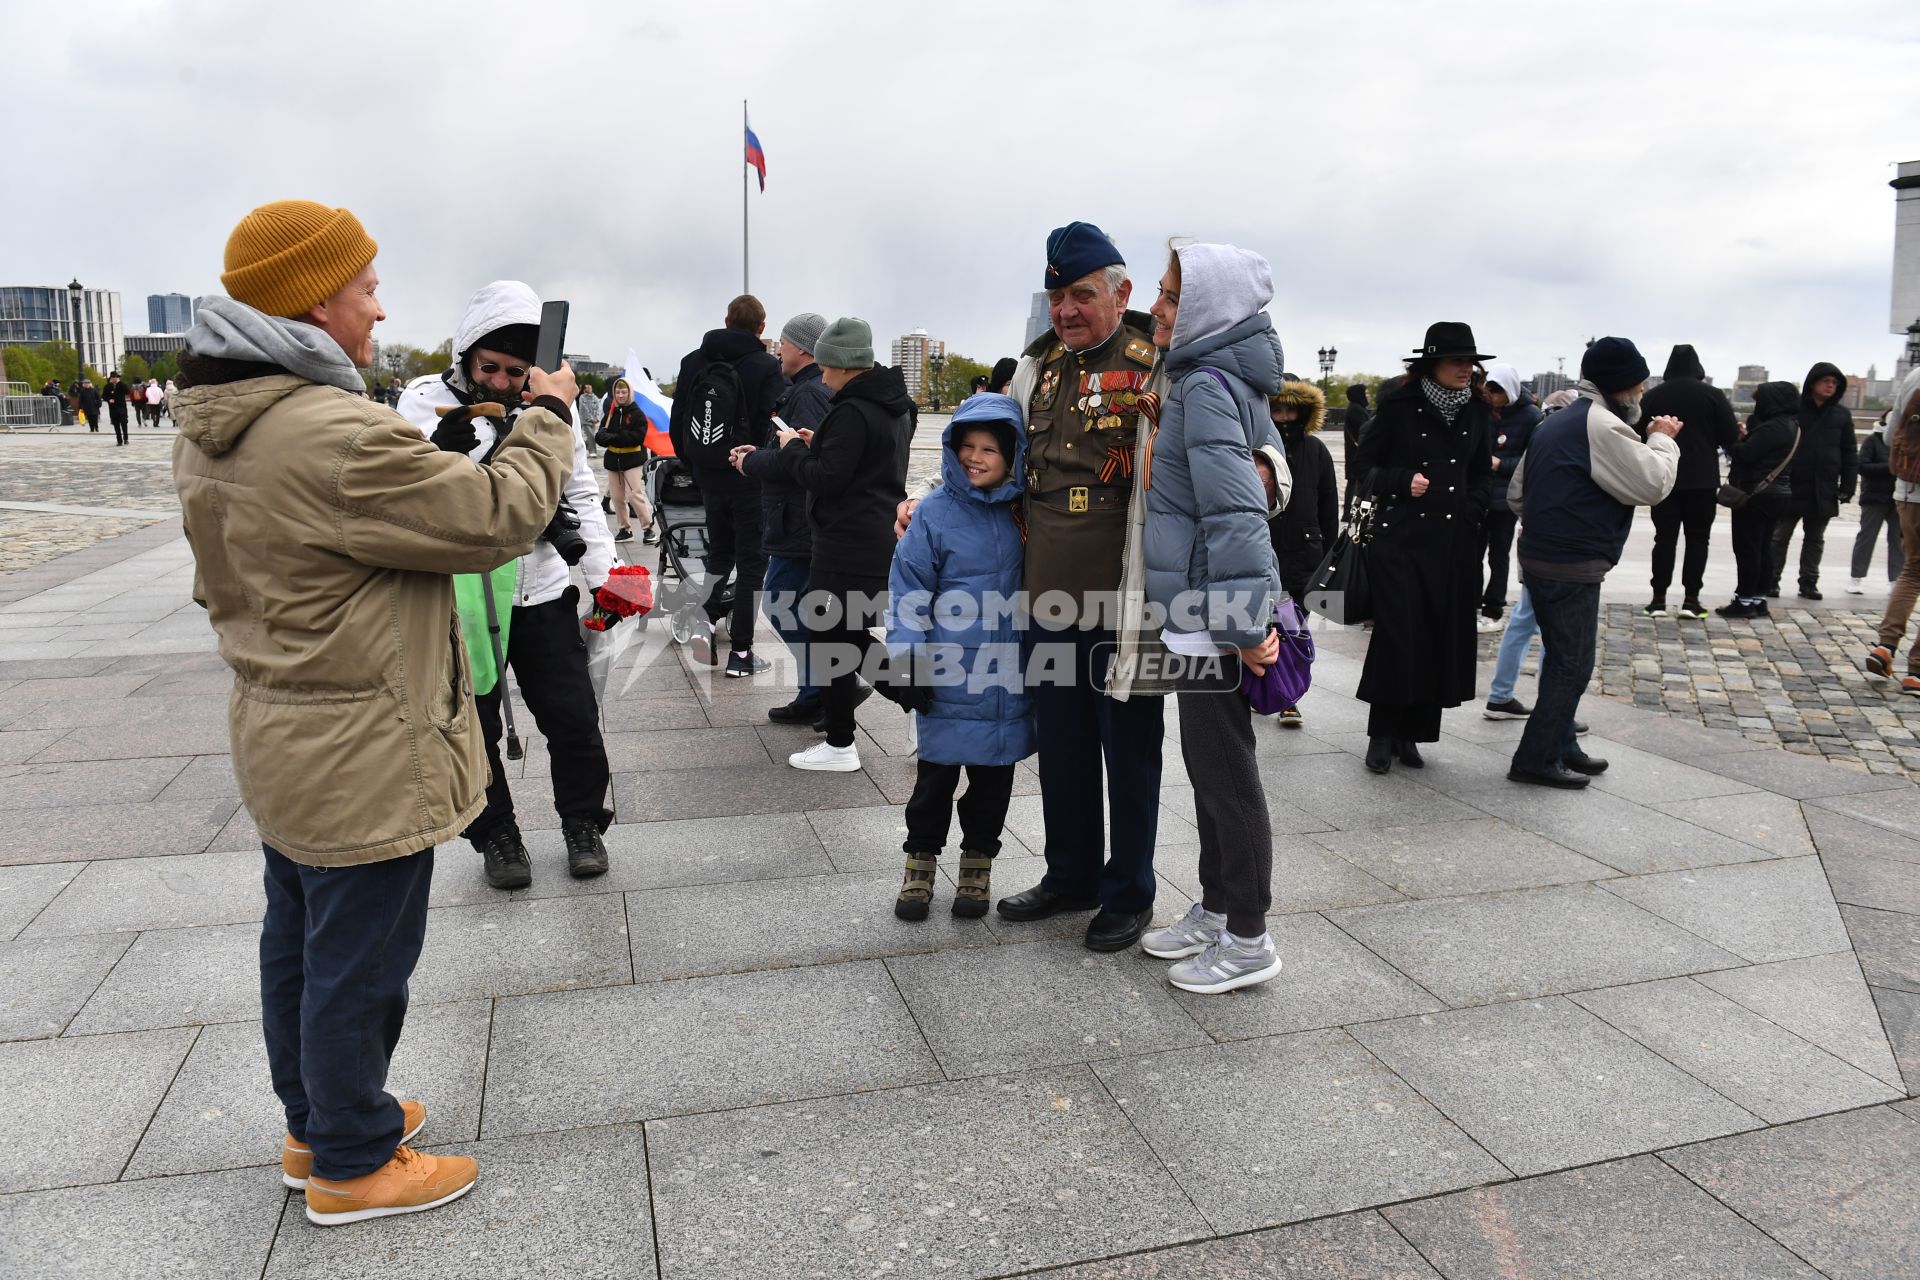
<point x="1261" y="943"/>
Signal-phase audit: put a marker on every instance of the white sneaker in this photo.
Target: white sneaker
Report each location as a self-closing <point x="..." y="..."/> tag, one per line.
<point x="824" y="758"/>
<point x="1856" y="586"/>
<point x="1188" y="936"/>
<point x="1487" y="626"/>
<point x="1229" y="964"/>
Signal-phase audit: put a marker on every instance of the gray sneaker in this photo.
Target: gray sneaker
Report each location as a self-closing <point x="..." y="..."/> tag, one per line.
<point x="1188" y="936"/>
<point x="1227" y="965"/>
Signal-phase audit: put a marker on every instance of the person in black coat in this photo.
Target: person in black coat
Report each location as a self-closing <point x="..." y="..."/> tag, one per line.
<point x="854" y="469"/>
<point x="1876" y="510"/>
<point x="1824" y="473"/>
<point x="1766" y="441"/>
<point x="90" y="403"/>
<point x="1707" y="427"/>
<point x="1304" y="531"/>
<point x="1427" y="460"/>
<point x="732" y="498"/>
<point x="1352" y="427"/>
<point x="1512" y="416"/>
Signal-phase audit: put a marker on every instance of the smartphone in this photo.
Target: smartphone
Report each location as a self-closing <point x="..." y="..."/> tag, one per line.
<point x="780" y="424"/>
<point x="553" y="336"/>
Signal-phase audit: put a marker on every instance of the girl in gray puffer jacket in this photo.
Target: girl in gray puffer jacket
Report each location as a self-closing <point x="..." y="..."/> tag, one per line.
<point x="1210" y="566"/>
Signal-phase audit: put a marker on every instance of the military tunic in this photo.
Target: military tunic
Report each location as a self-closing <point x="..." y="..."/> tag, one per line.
<point x="1083" y="419"/>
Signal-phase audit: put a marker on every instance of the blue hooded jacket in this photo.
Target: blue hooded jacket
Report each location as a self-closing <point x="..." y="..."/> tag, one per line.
<point x="964" y="550"/>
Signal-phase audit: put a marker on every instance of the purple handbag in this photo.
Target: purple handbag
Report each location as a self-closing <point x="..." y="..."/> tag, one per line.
<point x="1291" y="675"/>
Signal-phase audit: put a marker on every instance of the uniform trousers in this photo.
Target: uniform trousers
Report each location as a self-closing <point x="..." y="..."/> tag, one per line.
<point x="1080" y="730"/>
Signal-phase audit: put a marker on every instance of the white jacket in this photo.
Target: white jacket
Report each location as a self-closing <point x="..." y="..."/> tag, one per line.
<point x="543" y="575"/>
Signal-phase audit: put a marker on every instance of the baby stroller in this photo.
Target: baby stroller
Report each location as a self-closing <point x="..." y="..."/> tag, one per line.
<point x="680" y="516"/>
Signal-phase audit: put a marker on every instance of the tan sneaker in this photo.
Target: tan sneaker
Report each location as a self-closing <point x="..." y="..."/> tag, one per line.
<point x="409" y="1183"/>
<point x="296" y="1157"/>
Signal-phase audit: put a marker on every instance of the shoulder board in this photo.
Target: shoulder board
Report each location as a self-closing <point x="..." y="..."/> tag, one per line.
<point x="1141" y="352"/>
<point x="1054" y="352"/>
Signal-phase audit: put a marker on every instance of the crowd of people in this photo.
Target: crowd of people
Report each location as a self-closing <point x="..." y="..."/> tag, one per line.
<point x="1128" y="511"/>
<point x="82" y="401"/>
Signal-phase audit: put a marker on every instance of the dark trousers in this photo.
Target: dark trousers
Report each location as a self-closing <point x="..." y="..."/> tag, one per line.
<point x="1684" y="510"/>
<point x="1755" y="549"/>
<point x="336" y="950"/>
<point x="840" y="609"/>
<point x="548" y="658"/>
<point x="982" y="808"/>
<point x="1569" y="618"/>
<point x="1080" y="728"/>
<point x="1877" y="514"/>
<point x="1236" y="832"/>
<point x="786" y="581"/>
<point x="1811" y="546"/>
<point x="1497" y="534"/>
<point x="734" y="543"/>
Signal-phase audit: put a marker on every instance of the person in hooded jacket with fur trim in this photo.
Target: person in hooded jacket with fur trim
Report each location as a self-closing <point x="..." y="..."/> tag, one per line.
<point x="1211" y="567"/>
<point x="1303" y="532"/>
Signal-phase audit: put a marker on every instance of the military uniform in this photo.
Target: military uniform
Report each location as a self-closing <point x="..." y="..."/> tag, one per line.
<point x="1083" y="418"/>
<point x="1083" y="421"/>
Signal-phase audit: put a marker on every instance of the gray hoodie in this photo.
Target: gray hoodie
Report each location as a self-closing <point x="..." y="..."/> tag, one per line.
<point x="229" y="330"/>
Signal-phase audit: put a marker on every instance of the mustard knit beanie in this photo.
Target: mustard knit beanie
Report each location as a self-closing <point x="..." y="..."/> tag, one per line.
<point x="288" y="257"/>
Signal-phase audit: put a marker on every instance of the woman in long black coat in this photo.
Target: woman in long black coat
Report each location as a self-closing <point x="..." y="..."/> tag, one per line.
<point x="1427" y="462"/>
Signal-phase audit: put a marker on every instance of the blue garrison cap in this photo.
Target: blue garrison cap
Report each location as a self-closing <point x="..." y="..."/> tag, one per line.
<point x="1076" y="249"/>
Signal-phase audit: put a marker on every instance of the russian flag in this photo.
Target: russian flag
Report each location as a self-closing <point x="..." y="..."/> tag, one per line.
<point x="756" y="157"/>
<point x="653" y="402"/>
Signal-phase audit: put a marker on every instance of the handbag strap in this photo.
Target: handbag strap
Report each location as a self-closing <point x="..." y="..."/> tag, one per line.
<point x="1784" y="462"/>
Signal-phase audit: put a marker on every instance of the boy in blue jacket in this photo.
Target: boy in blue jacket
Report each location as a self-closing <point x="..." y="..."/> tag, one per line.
<point x="955" y="577"/>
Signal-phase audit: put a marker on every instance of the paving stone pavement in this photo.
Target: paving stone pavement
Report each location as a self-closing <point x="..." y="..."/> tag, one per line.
<point x="1669" y="1027"/>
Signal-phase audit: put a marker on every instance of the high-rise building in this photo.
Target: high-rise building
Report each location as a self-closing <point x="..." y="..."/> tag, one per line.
<point x="1038" y="321"/>
<point x="1545" y="384"/>
<point x="33" y="314"/>
<point x="1746" y="383"/>
<point x="913" y="355"/>
<point x="169" y="313"/>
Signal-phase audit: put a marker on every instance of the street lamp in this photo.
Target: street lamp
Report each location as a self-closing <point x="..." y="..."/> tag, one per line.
<point x="1327" y="354"/>
<point x="936" y="362"/>
<point x="1913" y="346"/>
<point x="75" y="296"/>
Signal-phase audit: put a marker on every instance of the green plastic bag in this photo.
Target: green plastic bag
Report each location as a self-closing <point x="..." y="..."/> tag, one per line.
<point x="471" y="603"/>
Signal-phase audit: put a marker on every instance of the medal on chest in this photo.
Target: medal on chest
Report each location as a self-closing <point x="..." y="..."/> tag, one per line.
<point x="1045" y="394"/>
<point x="1110" y="401"/>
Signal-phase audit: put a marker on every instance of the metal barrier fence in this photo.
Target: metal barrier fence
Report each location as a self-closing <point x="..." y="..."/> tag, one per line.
<point x="23" y="410"/>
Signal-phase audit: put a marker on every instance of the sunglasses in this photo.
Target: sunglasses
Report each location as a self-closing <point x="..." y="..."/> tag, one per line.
<point x="489" y="368"/>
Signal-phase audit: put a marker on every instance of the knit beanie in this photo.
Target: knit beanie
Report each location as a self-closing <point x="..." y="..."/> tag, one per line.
<point x="288" y="257"/>
<point x="803" y="331"/>
<point x="520" y="341"/>
<point x="847" y="343"/>
<point x="1613" y="365"/>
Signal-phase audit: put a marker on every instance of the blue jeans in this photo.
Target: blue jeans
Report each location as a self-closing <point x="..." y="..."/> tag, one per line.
<point x="1569" y="617"/>
<point x="786" y="580"/>
<point x="1081" y="730"/>
<point x="1514" y="643"/>
<point x="336" y="950"/>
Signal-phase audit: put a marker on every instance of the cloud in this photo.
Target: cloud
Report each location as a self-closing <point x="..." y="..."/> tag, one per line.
<point x="1708" y="173"/>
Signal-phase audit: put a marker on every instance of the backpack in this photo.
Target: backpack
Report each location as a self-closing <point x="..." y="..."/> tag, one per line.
<point x="709" y="416"/>
<point x="1903" y="443"/>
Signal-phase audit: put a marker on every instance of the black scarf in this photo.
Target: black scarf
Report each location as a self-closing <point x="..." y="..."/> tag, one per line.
<point x="1447" y="400"/>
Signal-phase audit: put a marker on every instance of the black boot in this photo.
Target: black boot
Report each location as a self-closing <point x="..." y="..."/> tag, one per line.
<point x="586" y="853"/>
<point x="505" y="857"/>
<point x="1409" y="753"/>
<point x="1379" y="754"/>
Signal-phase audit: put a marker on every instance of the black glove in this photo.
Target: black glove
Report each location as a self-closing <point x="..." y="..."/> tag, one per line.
<point x="455" y="434"/>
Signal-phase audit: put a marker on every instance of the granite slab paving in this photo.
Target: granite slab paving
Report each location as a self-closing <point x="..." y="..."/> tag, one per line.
<point x="1628" y="1220"/>
<point x="789" y="1110"/>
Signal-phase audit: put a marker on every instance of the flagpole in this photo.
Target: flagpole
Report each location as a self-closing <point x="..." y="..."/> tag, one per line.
<point x="744" y="251"/>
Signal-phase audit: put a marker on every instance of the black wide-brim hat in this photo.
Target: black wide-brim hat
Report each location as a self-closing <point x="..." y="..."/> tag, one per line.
<point x="1450" y="338"/>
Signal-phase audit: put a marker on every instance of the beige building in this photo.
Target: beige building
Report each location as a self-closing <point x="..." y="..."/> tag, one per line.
<point x="914" y="354"/>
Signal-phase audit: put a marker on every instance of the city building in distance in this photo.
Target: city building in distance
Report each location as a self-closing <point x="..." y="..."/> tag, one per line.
<point x="1746" y="383"/>
<point x="912" y="355"/>
<point x="169" y="313"/>
<point x="1038" y="321"/>
<point x="33" y="314"/>
<point x="151" y="346"/>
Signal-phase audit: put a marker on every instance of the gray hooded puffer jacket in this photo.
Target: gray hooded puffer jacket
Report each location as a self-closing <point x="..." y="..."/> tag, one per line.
<point x="1209" y="559"/>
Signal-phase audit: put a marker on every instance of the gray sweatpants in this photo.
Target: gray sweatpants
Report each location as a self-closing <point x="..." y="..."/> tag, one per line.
<point x="1236" y="833"/>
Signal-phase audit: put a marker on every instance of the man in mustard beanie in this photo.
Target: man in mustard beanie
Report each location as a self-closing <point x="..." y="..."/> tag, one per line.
<point x="324" y="527"/>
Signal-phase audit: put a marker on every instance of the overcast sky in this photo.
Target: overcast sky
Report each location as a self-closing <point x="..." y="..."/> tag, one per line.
<point x="1714" y="173"/>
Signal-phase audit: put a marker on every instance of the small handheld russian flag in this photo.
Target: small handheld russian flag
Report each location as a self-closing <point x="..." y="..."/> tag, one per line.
<point x="756" y="157"/>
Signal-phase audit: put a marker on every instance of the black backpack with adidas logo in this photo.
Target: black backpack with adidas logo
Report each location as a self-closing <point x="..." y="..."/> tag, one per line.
<point x="709" y="416"/>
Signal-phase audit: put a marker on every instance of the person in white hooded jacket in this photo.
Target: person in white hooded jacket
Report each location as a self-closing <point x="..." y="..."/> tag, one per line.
<point x="493" y="347"/>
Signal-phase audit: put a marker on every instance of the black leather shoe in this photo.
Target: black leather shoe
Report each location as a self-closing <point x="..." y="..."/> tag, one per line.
<point x="1409" y="753"/>
<point x="1565" y="779"/>
<point x="1581" y="762"/>
<point x="1117" y="930"/>
<point x="1379" y="755"/>
<point x="1040" y="902"/>
<point x="795" y="712"/>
